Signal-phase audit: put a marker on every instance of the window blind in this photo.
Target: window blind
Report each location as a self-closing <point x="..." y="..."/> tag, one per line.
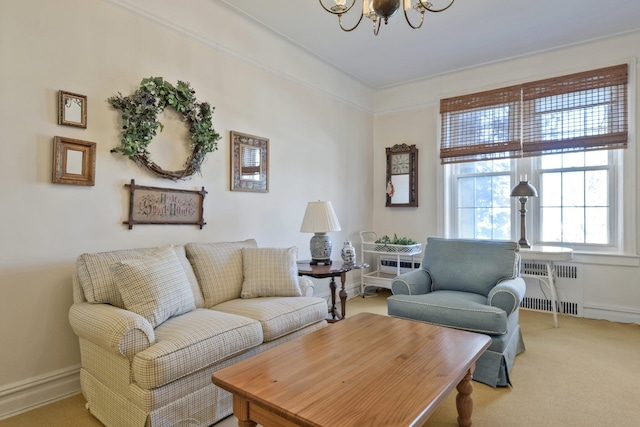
<point x="577" y="112"/>
<point x="480" y="126"/>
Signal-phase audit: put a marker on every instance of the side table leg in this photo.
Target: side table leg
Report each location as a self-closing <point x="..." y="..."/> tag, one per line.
<point x="554" y="294"/>
<point x="464" y="402"/>
<point x="343" y="296"/>
<point x="333" y="287"/>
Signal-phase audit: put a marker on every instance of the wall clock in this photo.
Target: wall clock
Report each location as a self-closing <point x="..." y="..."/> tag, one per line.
<point x="402" y="176"/>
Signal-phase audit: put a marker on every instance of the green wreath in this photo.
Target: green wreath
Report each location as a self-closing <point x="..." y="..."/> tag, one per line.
<point x="140" y="123"/>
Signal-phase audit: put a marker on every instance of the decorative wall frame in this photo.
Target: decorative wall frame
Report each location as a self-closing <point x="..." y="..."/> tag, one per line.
<point x="249" y="163"/>
<point x="165" y="206"/>
<point x="72" y="109"/>
<point x="74" y="161"/>
<point x="402" y="176"/>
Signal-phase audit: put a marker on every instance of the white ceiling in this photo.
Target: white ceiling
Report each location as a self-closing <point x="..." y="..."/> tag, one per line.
<point x="470" y="33"/>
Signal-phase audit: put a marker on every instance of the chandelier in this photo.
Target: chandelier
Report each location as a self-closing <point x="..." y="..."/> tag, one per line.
<point x="379" y="10"/>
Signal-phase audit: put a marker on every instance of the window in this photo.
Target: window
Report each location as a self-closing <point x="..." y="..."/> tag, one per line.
<point x="560" y="131"/>
<point x="482" y="198"/>
<point x="575" y="198"/>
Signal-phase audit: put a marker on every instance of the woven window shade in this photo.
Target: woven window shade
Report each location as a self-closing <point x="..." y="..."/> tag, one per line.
<point x="578" y="112"/>
<point x="480" y="126"/>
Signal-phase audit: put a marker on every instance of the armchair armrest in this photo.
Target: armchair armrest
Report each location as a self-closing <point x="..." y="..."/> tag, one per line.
<point x="114" y="329"/>
<point x="507" y="295"/>
<point x="306" y="286"/>
<point x="414" y="282"/>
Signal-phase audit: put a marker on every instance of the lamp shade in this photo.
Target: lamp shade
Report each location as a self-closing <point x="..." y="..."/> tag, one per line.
<point x="319" y="218"/>
<point x="524" y="189"/>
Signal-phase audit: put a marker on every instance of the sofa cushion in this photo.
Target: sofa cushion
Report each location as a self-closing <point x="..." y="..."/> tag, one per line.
<point x="96" y="279"/>
<point x="191" y="342"/>
<point x="154" y="286"/>
<point x="469" y="265"/>
<point x="460" y="310"/>
<point x="278" y="315"/>
<point x="270" y="272"/>
<point x="218" y="267"/>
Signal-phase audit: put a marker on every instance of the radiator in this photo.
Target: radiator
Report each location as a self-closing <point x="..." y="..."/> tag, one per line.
<point x="568" y="281"/>
<point x="390" y="263"/>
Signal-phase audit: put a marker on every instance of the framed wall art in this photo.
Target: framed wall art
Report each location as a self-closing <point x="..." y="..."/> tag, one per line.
<point x="402" y="176"/>
<point x="166" y="206"/>
<point x="249" y="163"/>
<point x="74" y="161"/>
<point x="72" y="109"/>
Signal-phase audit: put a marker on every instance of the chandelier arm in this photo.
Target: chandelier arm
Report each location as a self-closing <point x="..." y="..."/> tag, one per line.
<point x="352" y="28"/>
<point x="415" y="27"/>
<point x="353" y="2"/>
<point x="425" y="5"/>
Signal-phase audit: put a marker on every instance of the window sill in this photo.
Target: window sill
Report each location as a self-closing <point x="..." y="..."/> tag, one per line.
<point x="615" y="259"/>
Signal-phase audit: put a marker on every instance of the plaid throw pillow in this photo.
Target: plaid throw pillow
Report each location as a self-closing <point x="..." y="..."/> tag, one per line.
<point x="270" y="272"/>
<point x="155" y="286"/>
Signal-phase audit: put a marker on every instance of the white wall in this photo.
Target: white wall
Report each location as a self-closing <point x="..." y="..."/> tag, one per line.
<point x="409" y="114"/>
<point x="319" y="123"/>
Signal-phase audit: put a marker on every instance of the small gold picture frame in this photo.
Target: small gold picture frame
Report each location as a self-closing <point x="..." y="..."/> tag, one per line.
<point x="249" y="163"/>
<point x="74" y="161"/>
<point x="72" y="109"/>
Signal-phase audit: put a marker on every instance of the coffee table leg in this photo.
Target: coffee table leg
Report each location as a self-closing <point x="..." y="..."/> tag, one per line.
<point x="464" y="402"/>
<point x="241" y="411"/>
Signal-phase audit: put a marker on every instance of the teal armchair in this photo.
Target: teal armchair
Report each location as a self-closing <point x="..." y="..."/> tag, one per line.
<point x="472" y="285"/>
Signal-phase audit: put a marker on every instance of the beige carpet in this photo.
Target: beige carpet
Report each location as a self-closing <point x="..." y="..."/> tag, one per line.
<point x="584" y="374"/>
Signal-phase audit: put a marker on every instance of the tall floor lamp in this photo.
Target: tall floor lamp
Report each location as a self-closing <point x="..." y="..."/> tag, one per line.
<point x="320" y="218"/>
<point x="523" y="191"/>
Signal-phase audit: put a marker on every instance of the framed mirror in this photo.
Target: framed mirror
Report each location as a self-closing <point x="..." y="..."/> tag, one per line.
<point x="249" y="163"/>
<point x="402" y="176"/>
<point x="74" y="161"/>
<point x="72" y="109"/>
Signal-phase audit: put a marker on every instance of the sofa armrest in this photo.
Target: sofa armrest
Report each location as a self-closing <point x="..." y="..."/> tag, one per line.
<point x="306" y="286"/>
<point x="114" y="329"/>
<point x="413" y="282"/>
<point x="507" y="295"/>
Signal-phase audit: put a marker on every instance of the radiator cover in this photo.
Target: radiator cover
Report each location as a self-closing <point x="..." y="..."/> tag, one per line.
<point x="569" y="287"/>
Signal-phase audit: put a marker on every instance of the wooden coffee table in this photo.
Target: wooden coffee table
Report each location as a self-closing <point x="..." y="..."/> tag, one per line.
<point x="368" y="370"/>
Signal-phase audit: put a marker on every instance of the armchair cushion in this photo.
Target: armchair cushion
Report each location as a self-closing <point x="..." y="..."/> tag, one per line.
<point x="270" y="272"/>
<point x="454" y="309"/>
<point x="155" y="286"/>
<point x="469" y="265"/>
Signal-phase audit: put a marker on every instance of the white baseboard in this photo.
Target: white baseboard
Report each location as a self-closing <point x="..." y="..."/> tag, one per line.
<point x="612" y="313"/>
<point x="23" y="396"/>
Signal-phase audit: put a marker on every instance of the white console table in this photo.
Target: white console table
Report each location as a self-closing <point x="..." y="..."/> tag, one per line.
<point x="549" y="255"/>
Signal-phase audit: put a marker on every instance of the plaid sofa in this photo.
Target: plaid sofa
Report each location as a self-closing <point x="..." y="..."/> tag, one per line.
<point x="155" y="323"/>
